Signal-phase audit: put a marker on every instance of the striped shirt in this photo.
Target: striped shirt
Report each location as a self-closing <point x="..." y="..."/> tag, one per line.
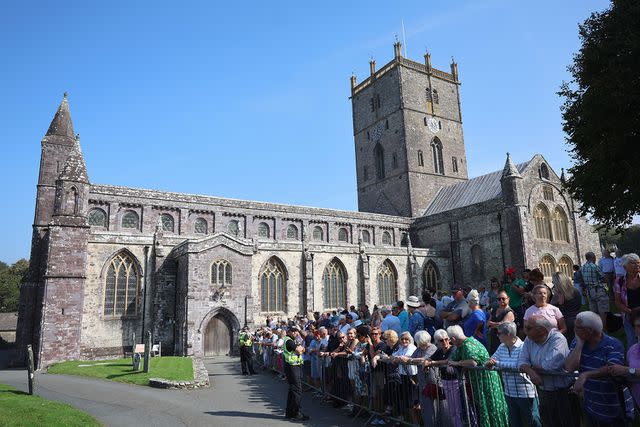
<point x="600" y="394"/>
<point x="515" y="384"/>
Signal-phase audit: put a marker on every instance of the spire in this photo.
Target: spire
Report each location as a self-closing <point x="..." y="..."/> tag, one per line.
<point x="510" y="169"/>
<point x="74" y="168"/>
<point x="61" y="125"/>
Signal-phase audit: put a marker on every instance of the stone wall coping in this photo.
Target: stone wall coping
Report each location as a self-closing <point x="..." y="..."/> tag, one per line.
<point x="200" y="378"/>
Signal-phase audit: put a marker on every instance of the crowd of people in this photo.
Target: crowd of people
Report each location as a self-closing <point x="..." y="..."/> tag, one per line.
<point x="520" y="352"/>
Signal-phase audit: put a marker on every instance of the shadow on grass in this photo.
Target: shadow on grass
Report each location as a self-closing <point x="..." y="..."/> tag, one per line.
<point x="112" y="376"/>
<point x="19" y="393"/>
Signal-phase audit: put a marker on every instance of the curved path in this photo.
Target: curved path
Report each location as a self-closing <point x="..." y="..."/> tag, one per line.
<point x="232" y="400"/>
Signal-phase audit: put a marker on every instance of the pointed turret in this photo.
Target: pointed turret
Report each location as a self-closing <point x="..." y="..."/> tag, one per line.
<point x="62" y="125"/>
<point x="74" y="168"/>
<point x="510" y="170"/>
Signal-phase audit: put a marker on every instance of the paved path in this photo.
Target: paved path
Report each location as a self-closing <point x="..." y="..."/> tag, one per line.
<point x="233" y="400"/>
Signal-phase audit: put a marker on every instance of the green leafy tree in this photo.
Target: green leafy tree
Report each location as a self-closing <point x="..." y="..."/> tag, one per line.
<point x="10" y="279"/>
<point x="627" y="240"/>
<point x="601" y="114"/>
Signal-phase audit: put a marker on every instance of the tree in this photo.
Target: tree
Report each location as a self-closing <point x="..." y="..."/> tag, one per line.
<point x="627" y="240"/>
<point x="10" y="279"/>
<point x="601" y="115"/>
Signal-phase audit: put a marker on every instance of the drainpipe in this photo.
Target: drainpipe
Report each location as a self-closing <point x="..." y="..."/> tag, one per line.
<point x="246" y="297"/>
<point x="453" y="267"/>
<point x="144" y="289"/>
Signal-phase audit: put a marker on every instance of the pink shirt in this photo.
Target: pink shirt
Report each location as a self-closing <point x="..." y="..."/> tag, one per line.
<point x="550" y="312"/>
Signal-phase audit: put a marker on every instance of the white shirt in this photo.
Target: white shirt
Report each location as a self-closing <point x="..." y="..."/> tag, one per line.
<point x="406" y="351"/>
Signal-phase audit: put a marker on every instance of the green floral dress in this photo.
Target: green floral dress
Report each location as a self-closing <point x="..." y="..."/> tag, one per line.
<point x="491" y="408"/>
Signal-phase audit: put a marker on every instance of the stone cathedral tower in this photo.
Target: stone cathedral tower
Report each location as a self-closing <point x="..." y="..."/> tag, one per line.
<point x="408" y="135"/>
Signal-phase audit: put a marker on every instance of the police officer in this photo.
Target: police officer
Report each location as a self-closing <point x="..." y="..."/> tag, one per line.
<point x="246" y="355"/>
<point x="293" y="371"/>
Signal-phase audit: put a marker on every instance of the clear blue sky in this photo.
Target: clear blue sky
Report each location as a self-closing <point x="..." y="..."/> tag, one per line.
<point x="250" y="100"/>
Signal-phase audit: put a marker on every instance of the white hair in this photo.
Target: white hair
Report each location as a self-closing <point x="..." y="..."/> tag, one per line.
<point x="456" y="332"/>
<point x="407" y="334"/>
<point x="626" y="259"/>
<point x="440" y="334"/>
<point x="590" y="320"/>
<point x="422" y="338"/>
<point x="508" y="328"/>
<point x="540" y="320"/>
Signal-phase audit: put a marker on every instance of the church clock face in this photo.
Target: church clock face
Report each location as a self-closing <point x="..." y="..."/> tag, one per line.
<point x="432" y="123"/>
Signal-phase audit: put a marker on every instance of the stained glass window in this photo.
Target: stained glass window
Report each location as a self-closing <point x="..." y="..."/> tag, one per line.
<point x="167" y="222"/>
<point x="560" y="225"/>
<point x="431" y="276"/>
<point x="343" y="235"/>
<point x="387" y="292"/>
<point x="548" y="267"/>
<point x="318" y="234"/>
<point x="542" y="222"/>
<point x="97" y="218"/>
<point x="386" y="238"/>
<point x="272" y="287"/>
<point x="221" y="273"/>
<point x="366" y="236"/>
<point x="565" y="265"/>
<point x="122" y="286"/>
<point x="292" y="232"/>
<point x="233" y="228"/>
<point x="263" y="230"/>
<point x="200" y="226"/>
<point x="130" y="220"/>
<point x="335" y="289"/>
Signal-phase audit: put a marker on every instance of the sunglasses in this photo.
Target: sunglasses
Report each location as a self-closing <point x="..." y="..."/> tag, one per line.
<point x="443" y="339"/>
<point x="502" y="299"/>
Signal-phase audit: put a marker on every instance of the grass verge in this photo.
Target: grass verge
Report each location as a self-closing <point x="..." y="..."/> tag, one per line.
<point x="168" y="368"/>
<point x="18" y="409"/>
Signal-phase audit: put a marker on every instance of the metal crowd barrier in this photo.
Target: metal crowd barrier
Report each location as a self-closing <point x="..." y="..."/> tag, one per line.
<point x="443" y="400"/>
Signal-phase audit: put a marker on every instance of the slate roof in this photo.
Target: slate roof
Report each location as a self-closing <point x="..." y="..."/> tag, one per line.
<point x="8" y="321"/>
<point x="476" y="190"/>
<point x="61" y="125"/>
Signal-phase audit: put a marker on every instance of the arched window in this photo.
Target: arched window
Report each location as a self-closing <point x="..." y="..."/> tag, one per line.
<point x="387" y="289"/>
<point x="273" y="286"/>
<point x="318" y="234"/>
<point x="167" y="222"/>
<point x="221" y="273"/>
<point x="343" y="235"/>
<point x="378" y="153"/>
<point x="454" y="164"/>
<point x="477" y="263"/>
<point x="263" y="230"/>
<point x="438" y="162"/>
<point x="565" y="265"/>
<point x="544" y="171"/>
<point x="436" y="98"/>
<point x="548" y="267"/>
<point x="386" y="238"/>
<point x="335" y="288"/>
<point x="560" y="225"/>
<point x="420" y="158"/>
<point x="233" y="227"/>
<point x="543" y="224"/>
<point x="122" y="286"/>
<point x="431" y="276"/>
<point x="547" y="192"/>
<point x="130" y="220"/>
<point x="366" y="236"/>
<point x="292" y="232"/>
<point x="97" y="218"/>
<point x="200" y="226"/>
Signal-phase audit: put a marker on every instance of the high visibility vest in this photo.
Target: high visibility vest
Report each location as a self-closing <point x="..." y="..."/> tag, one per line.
<point x="245" y="340"/>
<point x="291" y="357"/>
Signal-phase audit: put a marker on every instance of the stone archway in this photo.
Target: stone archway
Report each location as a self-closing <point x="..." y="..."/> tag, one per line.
<point x="218" y="332"/>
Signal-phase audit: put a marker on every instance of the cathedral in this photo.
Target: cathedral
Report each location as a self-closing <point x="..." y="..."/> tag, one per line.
<point x="109" y="263"/>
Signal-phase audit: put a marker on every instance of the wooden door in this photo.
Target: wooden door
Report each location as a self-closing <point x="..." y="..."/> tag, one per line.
<point x="217" y="338"/>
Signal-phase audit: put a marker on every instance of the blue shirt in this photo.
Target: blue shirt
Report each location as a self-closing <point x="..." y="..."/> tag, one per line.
<point x="403" y="316"/>
<point x="471" y="324"/>
<point x="391" y="322"/>
<point x="416" y="323"/>
<point x="600" y="395"/>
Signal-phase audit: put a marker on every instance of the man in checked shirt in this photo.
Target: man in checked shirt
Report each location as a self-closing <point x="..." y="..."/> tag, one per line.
<point x="593" y="278"/>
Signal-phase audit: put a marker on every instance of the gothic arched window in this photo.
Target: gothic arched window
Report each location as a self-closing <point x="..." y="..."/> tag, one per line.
<point x="542" y="221"/>
<point x="565" y="265"/>
<point x="366" y="236"/>
<point x="318" y="234"/>
<point x="431" y="276"/>
<point x="200" y="226"/>
<point x="233" y="227"/>
<point x="544" y="171"/>
<point x="263" y="230"/>
<point x="387" y="289"/>
<point x="292" y="232"/>
<point x="97" y="218"/>
<point x="130" y="219"/>
<point x="167" y="222"/>
<point x="378" y="153"/>
<point x="386" y="238"/>
<point x="560" y="225"/>
<point x="122" y="286"/>
<point x="343" y="235"/>
<point x="335" y="288"/>
<point x="273" y="286"/>
<point x="420" y="158"/>
<point x="548" y="267"/>
<point x="438" y="162"/>
<point x="221" y="273"/>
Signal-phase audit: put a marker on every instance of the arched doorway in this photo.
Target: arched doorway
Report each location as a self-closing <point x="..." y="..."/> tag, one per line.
<point x="217" y="338"/>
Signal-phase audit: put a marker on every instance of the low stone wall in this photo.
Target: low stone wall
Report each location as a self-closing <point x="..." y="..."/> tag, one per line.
<point x="200" y="378"/>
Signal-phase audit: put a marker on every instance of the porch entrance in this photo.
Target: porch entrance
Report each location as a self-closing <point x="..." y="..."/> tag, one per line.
<point x="217" y="338"/>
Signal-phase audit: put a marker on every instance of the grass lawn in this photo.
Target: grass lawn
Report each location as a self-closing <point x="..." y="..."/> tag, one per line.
<point x="20" y="409"/>
<point x="168" y="368"/>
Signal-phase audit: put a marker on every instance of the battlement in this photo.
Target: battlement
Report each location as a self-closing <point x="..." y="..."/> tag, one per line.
<point x="399" y="60"/>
